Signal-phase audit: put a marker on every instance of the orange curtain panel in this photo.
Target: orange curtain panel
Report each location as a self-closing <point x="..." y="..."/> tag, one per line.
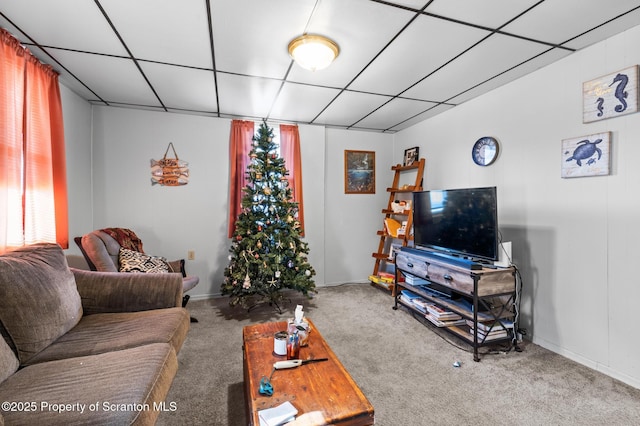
<point x="33" y="189"/>
<point x="240" y="143"/>
<point x="290" y="151"/>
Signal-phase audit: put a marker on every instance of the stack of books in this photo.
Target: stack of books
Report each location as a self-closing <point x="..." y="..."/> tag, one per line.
<point x="416" y="281"/>
<point x="443" y="317"/>
<point x="491" y="330"/>
<point x="414" y="300"/>
<point x="382" y="278"/>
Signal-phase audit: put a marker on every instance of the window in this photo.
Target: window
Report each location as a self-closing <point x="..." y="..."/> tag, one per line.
<point x="240" y="143"/>
<point x="33" y="192"/>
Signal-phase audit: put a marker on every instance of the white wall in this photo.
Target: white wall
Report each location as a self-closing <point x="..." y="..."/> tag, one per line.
<point x="353" y="219"/>
<point x="574" y="240"/>
<point x="340" y="229"/>
<point x="77" y="132"/>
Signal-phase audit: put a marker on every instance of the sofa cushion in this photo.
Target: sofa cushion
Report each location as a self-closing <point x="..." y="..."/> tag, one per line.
<point x="39" y="300"/>
<point x="134" y="261"/>
<point x="8" y="362"/>
<point x="99" y="333"/>
<point x="124" y="385"/>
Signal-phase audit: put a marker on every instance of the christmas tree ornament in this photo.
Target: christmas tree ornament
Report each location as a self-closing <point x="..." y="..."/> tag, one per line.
<point x="247" y="282"/>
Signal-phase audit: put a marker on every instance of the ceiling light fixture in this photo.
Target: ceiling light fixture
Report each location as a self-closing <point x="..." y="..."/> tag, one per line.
<point x="313" y="52"/>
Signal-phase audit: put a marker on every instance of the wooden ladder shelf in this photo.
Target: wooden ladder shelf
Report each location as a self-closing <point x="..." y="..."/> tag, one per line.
<point x="383" y="255"/>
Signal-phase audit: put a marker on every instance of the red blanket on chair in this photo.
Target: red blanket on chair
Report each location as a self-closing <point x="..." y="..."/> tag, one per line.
<point x="125" y="237"/>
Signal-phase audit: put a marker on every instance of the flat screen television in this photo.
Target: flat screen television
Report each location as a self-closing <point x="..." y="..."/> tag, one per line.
<point x="462" y="222"/>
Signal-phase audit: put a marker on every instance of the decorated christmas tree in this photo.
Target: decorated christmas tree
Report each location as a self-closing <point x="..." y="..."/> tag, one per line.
<point x="267" y="253"/>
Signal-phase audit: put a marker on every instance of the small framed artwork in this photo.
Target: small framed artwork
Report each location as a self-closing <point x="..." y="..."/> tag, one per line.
<point x="610" y="95"/>
<point x="586" y="155"/>
<point x="411" y="156"/>
<point x="359" y="172"/>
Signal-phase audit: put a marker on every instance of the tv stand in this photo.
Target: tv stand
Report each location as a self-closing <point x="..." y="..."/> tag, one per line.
<point x="450" y="258"/>
<point x="483" y="298"/>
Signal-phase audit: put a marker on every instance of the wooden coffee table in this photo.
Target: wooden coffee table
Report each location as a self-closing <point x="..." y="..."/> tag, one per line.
<point x="322" y="389"/>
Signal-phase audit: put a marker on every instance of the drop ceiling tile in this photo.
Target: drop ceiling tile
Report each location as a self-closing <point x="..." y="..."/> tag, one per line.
<point x="427" y="44"/>
<point x="350" y="107"/>
<point x="432" y="112"/>
<point x="534" y="64"/>
<point x="491" y="57"/>
<point x="244" y="96"/>
<point x="414" y="4"/>
<point x="113" y="79"/>
<point x="71" y="24"/>
<point x="557" y="21"/>
<point x="361" y="28"/>
<point x="251" y="38"/>
<point x="300" y="102"/>
<point x="487" y="13"/>
<point x="168" y="31"/>
<point x="182" y="88"/>
<point x="624" y="23"/>
<point x="392" y="113"/>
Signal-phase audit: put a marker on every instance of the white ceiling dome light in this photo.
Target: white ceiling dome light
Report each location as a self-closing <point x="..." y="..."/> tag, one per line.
<point x="313" y="52"/>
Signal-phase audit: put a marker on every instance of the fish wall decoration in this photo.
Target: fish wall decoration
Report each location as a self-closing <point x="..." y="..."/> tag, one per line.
<point x="169" y="171"/>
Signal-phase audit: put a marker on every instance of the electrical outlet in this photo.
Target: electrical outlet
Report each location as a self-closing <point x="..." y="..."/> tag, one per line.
<point x="191" y="255"/>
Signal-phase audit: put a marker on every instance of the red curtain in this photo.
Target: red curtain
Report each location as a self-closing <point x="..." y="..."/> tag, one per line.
<point x="33" y="187"/>
<point x="290" y="151"/>
<point x="240" y="143"/>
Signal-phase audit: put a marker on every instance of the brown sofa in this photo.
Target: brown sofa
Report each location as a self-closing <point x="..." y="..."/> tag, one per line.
<point x="85" y="347"/>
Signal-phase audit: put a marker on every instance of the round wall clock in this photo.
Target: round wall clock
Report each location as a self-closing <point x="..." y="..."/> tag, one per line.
<point x="485" y="151"/>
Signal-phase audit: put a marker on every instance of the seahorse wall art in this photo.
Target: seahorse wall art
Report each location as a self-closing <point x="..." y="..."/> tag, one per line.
<point x="611" y="95"/>
<point x="586" y="155"/>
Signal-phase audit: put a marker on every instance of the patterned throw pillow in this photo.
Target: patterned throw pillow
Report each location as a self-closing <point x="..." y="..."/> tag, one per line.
<point x="133" y="261"/>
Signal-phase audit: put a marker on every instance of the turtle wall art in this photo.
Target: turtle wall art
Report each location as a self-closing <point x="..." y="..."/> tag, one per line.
<point x="586" y="155"/>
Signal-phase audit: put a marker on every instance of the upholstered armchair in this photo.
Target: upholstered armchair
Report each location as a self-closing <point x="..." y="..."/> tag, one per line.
<point x="102" y="251"/>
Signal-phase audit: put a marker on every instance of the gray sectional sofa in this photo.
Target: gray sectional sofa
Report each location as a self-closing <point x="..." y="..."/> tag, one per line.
<point x="82" y="347"/>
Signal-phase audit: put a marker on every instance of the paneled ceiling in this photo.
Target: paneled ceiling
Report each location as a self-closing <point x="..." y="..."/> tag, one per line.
<point x="400" y="61"/>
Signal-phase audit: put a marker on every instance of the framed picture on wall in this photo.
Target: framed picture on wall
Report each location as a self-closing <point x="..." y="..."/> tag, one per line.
<point x="611" y="95"/>
<point x="586" y="155"/>
<point x="410" y="156"/>
<point x="359" y="172"/>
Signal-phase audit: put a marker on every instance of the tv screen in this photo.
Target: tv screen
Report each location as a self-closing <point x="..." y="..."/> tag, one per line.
<point x="461" y="222"/>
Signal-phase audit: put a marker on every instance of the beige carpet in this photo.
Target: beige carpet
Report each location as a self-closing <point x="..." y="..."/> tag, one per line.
<point x="403" y="367"/>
